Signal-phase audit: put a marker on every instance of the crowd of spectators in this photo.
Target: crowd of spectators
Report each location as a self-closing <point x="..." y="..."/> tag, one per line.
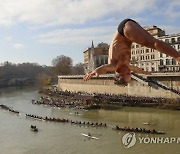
<point x="84" y="99"/>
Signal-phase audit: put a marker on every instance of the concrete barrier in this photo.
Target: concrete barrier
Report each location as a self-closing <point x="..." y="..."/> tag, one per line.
<point x="105" y="84"/>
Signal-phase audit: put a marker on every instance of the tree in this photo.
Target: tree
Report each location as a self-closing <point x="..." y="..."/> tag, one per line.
<point x="62" y="65"/>
<point x="78" y="69"/>
<point x="24" y="70"/>
<point x="43" y="80"/>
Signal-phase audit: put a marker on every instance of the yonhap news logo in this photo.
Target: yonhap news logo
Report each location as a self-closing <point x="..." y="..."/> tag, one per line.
<point x="129" y="140"/>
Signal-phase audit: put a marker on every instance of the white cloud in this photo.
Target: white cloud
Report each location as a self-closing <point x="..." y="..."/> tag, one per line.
<point x="8" y="38"/>
<point x="60" y="12"/>
<point x="78" y="36"/>
<point x="170" y="29"/>
<point x="169" y="10"/>
<point x="18" y="45"/>
<point x="84" y="36"/>
<point x="173" y="10"/>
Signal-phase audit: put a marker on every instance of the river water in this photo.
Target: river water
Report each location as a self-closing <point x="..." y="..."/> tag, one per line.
<point x="65" y="138"/>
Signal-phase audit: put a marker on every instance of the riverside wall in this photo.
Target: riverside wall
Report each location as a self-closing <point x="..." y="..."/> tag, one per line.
<point x="105" y="84"/>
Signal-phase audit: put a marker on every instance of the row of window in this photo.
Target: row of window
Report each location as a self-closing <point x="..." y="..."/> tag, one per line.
<point x="167" y="62"/>
<point x="173" y="69"/>
<point x="162" y="62"/>
<point x="162" y="69"/>
<point x="136" y="46"/>
<point x="133" y="52"/>
<point x="101" y="61"/>
<point x="149" y="69"/>
<point x="147" y="57"/>
<point x="172" y="40"/>
<point x="163" y="55"/>
<point x="147" y="64"/>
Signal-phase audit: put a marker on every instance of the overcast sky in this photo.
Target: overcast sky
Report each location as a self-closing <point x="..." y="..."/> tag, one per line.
<point x="40" y="30"/>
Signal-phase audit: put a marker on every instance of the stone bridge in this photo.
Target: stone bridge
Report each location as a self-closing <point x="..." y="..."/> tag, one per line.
<point x="155" y="85"/>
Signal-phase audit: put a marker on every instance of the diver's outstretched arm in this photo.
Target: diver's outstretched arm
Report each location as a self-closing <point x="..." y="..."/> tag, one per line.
<point x="100" y="70"/>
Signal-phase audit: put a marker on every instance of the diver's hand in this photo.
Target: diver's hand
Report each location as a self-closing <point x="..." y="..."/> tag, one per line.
<point x="90" y="75"/>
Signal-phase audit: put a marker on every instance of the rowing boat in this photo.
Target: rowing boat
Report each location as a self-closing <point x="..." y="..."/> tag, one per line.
<point x="89" y="136"/>
<point x="133" y="130"/>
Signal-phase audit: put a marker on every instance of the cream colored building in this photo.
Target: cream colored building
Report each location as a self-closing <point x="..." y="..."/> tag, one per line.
<point x="95" y="56"/>
<point x="152" y="60"/>
<point x="143" y="57"/>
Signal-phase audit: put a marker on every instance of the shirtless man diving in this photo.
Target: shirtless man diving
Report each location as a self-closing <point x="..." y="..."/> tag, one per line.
<point x="120" y="51"/>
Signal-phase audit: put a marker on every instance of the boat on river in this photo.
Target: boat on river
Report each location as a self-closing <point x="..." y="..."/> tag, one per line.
<point x="34" y="128"/>
<point x="138" y="130"/>
<point x="90" y="136"/>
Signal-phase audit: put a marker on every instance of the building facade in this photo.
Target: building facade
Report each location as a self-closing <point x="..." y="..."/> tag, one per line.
<point x="95" y="56"/>
<point x="152" y="60"/>
<point x="143" y="57"/>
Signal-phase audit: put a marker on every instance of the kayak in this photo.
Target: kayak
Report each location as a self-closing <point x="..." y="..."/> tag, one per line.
<point x="145" y="123"/>
<point x="92" y="137"/>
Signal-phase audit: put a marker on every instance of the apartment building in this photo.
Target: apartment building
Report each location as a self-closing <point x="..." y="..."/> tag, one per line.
<point x="152" y="60"/>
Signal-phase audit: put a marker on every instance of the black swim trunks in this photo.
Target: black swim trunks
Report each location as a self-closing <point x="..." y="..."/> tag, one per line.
<point x="122" y="24"/>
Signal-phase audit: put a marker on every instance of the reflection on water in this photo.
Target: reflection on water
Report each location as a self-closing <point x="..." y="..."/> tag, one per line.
<point x="59" y="138"/>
